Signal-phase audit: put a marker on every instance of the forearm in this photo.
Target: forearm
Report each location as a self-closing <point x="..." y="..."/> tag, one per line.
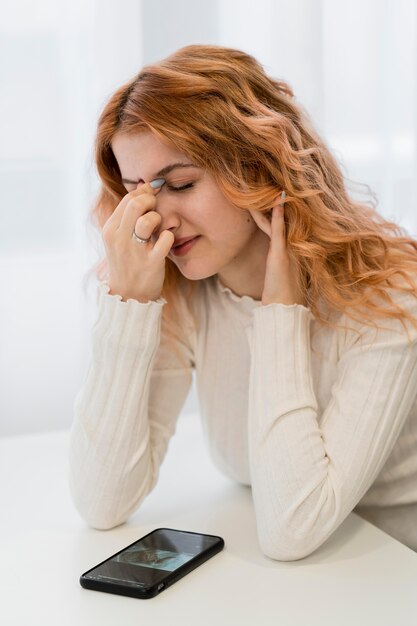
<point x="112" y="464"/>
<point x="284" y="440"/>
<point x="311" y="466"/>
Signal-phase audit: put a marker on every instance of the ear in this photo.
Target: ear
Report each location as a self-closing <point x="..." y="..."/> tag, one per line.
<point x="262" y="220"/>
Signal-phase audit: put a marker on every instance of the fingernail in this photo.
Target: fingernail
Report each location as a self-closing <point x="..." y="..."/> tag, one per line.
<point x="157" y="183"/>
<point x="283" y="196"/>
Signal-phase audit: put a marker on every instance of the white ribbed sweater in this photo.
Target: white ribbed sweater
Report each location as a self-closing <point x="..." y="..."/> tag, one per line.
<point x="317" y="420"/>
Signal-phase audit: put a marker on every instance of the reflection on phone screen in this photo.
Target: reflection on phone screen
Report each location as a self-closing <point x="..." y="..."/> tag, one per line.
<point x="153" y="557"/>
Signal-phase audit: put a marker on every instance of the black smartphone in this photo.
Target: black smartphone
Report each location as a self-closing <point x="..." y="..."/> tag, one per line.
<point x="151" y="564"/>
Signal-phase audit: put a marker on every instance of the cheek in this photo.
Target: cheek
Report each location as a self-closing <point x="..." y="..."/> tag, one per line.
<point x="217" y="217"/>
<point x="235" y="234"/>
<point x="240" y="224"/>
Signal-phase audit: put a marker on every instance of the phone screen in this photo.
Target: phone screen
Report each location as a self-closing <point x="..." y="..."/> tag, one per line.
<point x="152" y="559"/>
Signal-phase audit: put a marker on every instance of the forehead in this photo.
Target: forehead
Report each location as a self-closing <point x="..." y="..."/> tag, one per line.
<point x="143" y="154"/>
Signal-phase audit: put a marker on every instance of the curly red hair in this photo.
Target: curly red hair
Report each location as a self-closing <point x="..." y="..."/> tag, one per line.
<point x="218" y="106"/>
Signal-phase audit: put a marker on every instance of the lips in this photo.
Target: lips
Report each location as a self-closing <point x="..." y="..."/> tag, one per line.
<point x="182" y="246"/>
<point x="181" y="240"/>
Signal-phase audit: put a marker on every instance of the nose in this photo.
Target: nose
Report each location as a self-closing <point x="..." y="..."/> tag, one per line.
<point x="168" y="209"/>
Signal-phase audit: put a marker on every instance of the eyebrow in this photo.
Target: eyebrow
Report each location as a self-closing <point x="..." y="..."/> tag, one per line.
<point x="163" y="172"/>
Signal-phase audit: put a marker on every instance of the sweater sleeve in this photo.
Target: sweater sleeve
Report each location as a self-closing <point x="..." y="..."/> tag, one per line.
<point x="309" y="470"/>
<point x="139" y="376"/>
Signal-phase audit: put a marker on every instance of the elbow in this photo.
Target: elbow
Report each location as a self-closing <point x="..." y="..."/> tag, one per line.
<point x="300" y="529"/>
<point x="285" y="553"/>
<point x="286" y="546"/>
<point x="99" y="517"/>
<point x="102" y="508"/>
<point x="97" y="513"/>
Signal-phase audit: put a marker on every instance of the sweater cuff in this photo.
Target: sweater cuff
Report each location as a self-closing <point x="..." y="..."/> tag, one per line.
<point x="130" y="323"/>
<point x="281" y="353"/>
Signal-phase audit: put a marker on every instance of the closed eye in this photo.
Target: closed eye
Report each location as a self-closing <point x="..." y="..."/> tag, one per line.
<point x="183" y="188"/>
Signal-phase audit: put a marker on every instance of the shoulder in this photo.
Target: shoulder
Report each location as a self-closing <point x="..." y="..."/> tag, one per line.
<point x="394" y="325"/>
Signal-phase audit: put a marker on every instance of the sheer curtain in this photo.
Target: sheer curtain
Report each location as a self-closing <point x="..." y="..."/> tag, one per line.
<point x="352" y="65"/>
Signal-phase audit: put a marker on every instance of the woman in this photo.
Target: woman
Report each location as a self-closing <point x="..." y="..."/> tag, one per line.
<point x="233" y="247"/>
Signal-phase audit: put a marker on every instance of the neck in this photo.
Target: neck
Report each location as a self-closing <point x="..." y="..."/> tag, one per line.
<point x="246" y="275"/>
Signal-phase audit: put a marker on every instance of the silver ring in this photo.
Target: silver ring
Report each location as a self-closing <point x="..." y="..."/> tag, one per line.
<point x="139" y="239"/>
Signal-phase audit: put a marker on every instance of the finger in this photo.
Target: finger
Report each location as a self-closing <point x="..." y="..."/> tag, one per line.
<point x="117" y="215"/>
<point x="163" y="245"/>
<point x="278" y="221"/>
<point x="146" y="224"/>
<point x="135" y="208"/>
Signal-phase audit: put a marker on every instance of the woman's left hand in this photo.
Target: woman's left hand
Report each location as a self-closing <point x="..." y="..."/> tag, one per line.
<point x="281" y="284"/>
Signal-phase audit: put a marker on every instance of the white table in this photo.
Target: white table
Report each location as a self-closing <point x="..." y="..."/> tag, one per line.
<point x="360" y="576"/>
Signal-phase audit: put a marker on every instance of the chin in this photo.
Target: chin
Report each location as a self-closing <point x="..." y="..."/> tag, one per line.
<point x="197" y="272"/>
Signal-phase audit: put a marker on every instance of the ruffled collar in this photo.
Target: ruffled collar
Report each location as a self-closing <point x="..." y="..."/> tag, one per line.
<point x="246" y="300"/>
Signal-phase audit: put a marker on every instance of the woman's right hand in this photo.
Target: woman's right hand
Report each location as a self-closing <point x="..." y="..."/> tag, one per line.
<point x="136" y="270"/>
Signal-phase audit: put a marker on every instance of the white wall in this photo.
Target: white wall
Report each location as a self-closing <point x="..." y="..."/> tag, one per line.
<point x="352" y="65"/>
